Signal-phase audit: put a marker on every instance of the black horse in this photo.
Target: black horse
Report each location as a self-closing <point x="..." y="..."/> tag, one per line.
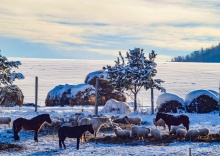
<point x="73" y="132"/>
<point x="174" y="120"/>
<point x="33" y="124"/>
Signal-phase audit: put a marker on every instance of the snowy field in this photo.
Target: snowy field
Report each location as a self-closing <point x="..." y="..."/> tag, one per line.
<point x="48" y="145"/>
<point x="181" y="78"/>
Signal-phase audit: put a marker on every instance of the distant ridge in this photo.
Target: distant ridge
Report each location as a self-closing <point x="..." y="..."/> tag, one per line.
<point x="211" y="54"/>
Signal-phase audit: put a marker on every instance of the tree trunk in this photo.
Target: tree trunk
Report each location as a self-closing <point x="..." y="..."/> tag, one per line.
<point x="135" y="102"/>
<point x="135" y="98"/>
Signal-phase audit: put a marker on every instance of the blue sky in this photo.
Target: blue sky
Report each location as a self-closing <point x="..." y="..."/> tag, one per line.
<point x="98" y="29"/>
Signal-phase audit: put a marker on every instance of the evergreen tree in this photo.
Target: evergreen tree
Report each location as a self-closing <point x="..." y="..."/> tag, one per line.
<point x="138" y="72"/>
<point x="6" y="76"/>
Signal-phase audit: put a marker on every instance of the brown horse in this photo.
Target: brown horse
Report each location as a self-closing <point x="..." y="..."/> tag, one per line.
<point x="174" y="120"/>
<point x="33" y="124"/>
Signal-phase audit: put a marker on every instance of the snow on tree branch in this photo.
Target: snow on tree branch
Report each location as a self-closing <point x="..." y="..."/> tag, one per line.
<point x="136" y="73"/>
<point x="6" y="77"/>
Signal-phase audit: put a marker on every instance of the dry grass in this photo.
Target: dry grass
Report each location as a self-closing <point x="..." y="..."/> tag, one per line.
<point x="165" y="141"/>
<point x="10" y="147"/>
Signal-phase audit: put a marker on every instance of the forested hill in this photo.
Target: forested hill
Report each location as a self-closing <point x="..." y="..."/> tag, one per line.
<point x="204" y="55"/>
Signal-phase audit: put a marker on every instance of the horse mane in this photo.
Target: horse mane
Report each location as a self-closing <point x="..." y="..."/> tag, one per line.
<point x="41" y="115"/>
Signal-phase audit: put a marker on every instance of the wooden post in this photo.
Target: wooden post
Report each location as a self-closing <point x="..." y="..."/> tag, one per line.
<point x="190" y="154"/>
<point x="96" y="96"/>
<point x="152" y="100"/>
<point x="36" y="92"/>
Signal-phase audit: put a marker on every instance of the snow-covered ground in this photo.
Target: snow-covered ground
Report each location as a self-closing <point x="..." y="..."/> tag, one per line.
<point x="180" y="79"/>
<point x="48" y="145"/>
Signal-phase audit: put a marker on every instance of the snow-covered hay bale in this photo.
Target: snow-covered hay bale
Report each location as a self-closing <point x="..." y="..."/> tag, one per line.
<point x="117" y="107"/>
<point x="201" y="101"/>
<point x="107" y="92"/>
<point x="10" y="96"/>
<point x="82" y="94"/>
<point x="167" y="103"/>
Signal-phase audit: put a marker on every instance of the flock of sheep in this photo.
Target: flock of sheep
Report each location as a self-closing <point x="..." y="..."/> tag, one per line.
<point x="137" y="130"/>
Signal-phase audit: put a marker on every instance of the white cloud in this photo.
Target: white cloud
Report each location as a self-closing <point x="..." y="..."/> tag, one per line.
<point x="103" y="26"/>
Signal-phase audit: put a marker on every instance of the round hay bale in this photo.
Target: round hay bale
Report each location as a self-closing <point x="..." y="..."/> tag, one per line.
<point x="201" y="101"/>
<point x="170" y="103"/>
<point x="11" y="96"/>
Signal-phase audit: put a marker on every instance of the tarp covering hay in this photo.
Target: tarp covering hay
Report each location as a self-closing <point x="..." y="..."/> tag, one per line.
<point x="201" y="101"/>
<point x="117" y="107"/>
<point x="169" y="103"/>
<point x="11" y="96"/>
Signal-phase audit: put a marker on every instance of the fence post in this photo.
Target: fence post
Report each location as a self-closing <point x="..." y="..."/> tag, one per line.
<point x="36" y="92"/>
<point x="152" y="100"/>
<point x="96" y="96"/>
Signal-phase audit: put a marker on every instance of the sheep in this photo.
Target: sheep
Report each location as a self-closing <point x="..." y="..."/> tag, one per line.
<point x="134" y="120"/>
<point x="156" y="134"/>
<point x="122" y="133"/>
<point x="5" y="120"/>
<point x="135" y="128"/>
<point x="74" y="121"/>
<point x="192" y="134"/>
<point x="142" y="133"/>
<point x="181" y="133"/>
<point x="160" y="122"/>
<point x="203" y="132"/>
<point x="174" y="128"/>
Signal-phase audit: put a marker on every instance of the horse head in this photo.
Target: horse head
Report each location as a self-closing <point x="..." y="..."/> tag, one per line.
<point x="90" y="129"/>
<point x="48" y="119"/>
<point x="158" y="116"/>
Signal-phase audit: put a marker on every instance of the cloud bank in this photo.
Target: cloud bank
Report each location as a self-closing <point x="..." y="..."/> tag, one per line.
<point x="104" y="27"/>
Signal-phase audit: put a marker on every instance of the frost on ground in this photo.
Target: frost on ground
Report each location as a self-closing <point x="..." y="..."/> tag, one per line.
<point x="107" y="143"/>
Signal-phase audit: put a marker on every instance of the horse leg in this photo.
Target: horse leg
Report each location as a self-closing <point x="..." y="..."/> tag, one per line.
<point x="36" y="135"/>
<point x="63" y="143"/>
<point x="60" y="144"/>
<point x="169" y="126"/>
<point x="84" y="135"/>
<point x="77" y="144"/>
<point x="16" y="131"/>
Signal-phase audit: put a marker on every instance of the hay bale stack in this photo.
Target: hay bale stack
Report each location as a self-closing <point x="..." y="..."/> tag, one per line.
<point x="170" y="103"/>
<point x="201" y="101"/>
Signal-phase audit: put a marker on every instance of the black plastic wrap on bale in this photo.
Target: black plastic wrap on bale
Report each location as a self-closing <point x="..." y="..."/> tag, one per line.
<point x="202" y="104"/>
<point x="172" y="106"/>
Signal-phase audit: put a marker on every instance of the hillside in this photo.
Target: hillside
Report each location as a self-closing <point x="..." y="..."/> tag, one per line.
<point x="211" y="54"/>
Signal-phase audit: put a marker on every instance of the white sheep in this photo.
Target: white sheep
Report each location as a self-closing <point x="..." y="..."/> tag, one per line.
<point x="174" y="128"/>
<point x="156" y="134"/>
<point x="181" y="133"/>
<point x="142" y="134"/>
<point x="133" y="120"/>
<point x="122" y="133"/>
<point x="135" y="128"/>
<point x="192" y="134"/>
<point x="203" y="132"/>
<point x="160" y="122"/>
<point x="5" y="120"/>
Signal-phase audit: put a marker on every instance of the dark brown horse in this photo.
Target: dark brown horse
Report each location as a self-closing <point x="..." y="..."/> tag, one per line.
<point x="174" y="120"/>
<point x="33" y="124"/>
<point x="73" y="132"/>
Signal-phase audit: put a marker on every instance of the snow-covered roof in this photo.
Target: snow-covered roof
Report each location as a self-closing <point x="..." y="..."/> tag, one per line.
<point x="194" y="94"/>
<point x="99" y="73"/>
<point x="116" y="107"/>
<point x="166" y="97"/>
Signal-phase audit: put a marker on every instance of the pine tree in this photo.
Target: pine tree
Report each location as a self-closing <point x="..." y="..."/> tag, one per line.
<point x="6" y="76"/>
<point x="138" y="72"/>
